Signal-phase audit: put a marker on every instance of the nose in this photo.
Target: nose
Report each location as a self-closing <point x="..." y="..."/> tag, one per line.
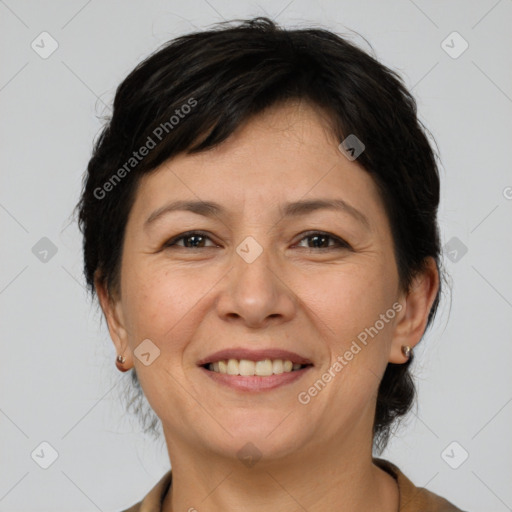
<point x="255" y="292"/>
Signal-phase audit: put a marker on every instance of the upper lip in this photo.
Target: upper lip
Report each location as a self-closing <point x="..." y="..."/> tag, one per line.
<point x="254" y="355"/>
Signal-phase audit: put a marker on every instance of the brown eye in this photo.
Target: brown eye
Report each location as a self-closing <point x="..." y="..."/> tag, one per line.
<point x="320" y="240"/>
<point x="191" y="239"/>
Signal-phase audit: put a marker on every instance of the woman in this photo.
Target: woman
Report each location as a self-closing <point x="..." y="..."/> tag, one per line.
<point x="259" y="221"/>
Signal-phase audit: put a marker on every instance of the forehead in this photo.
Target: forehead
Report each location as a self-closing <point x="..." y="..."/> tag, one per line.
<point x="286" y="153"/>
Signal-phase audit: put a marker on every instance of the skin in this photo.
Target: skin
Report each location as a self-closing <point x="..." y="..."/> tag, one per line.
<point x="192" y="301"/>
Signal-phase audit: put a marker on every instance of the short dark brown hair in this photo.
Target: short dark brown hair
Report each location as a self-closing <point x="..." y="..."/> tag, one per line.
<point x="226" y="75"/>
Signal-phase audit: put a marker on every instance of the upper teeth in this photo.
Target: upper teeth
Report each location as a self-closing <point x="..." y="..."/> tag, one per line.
<point x="247" y="368"/>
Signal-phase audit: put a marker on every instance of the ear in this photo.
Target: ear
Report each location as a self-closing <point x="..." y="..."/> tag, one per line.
<point x="412" y="319"/>
<point x="112" y="310"/>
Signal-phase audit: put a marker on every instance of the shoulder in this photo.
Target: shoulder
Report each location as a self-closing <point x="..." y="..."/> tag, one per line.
<point x="152" y="502"/>
<point x="412" y="498"/>
<point x="133" y="508"/>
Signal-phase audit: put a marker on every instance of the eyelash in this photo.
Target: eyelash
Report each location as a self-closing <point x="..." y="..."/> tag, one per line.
<point x="341" y="243"/>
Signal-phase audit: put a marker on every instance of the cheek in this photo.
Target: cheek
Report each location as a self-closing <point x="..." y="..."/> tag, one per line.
<point x="161" y="303"/>
<point x="347" y="307"/>
<point x="348" y="299"/>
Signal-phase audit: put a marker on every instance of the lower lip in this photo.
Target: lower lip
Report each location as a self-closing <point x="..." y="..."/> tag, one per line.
<point x="256" y="383"/>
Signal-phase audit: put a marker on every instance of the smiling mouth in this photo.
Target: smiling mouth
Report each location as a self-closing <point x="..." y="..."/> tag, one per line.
<point x="247" y="368"/>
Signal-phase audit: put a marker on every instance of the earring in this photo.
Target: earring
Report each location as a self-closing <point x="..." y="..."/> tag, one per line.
<point x="119" y="362"/>
<point x="406" y="351"/>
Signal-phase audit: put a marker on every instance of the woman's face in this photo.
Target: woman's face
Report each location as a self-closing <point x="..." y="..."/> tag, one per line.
<point x="258" y="279"/>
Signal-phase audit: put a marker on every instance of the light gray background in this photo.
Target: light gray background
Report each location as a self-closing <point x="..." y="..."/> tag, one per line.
<point x="58" y="382"/>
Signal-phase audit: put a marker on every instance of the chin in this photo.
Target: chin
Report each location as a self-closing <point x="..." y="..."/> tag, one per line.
<point x="261" y="435"/>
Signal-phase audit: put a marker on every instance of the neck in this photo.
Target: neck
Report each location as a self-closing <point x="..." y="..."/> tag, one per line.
<point x="314" y="480"/>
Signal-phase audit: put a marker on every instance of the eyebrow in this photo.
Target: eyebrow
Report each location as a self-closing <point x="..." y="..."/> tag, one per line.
<point x="292" y="209"/>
